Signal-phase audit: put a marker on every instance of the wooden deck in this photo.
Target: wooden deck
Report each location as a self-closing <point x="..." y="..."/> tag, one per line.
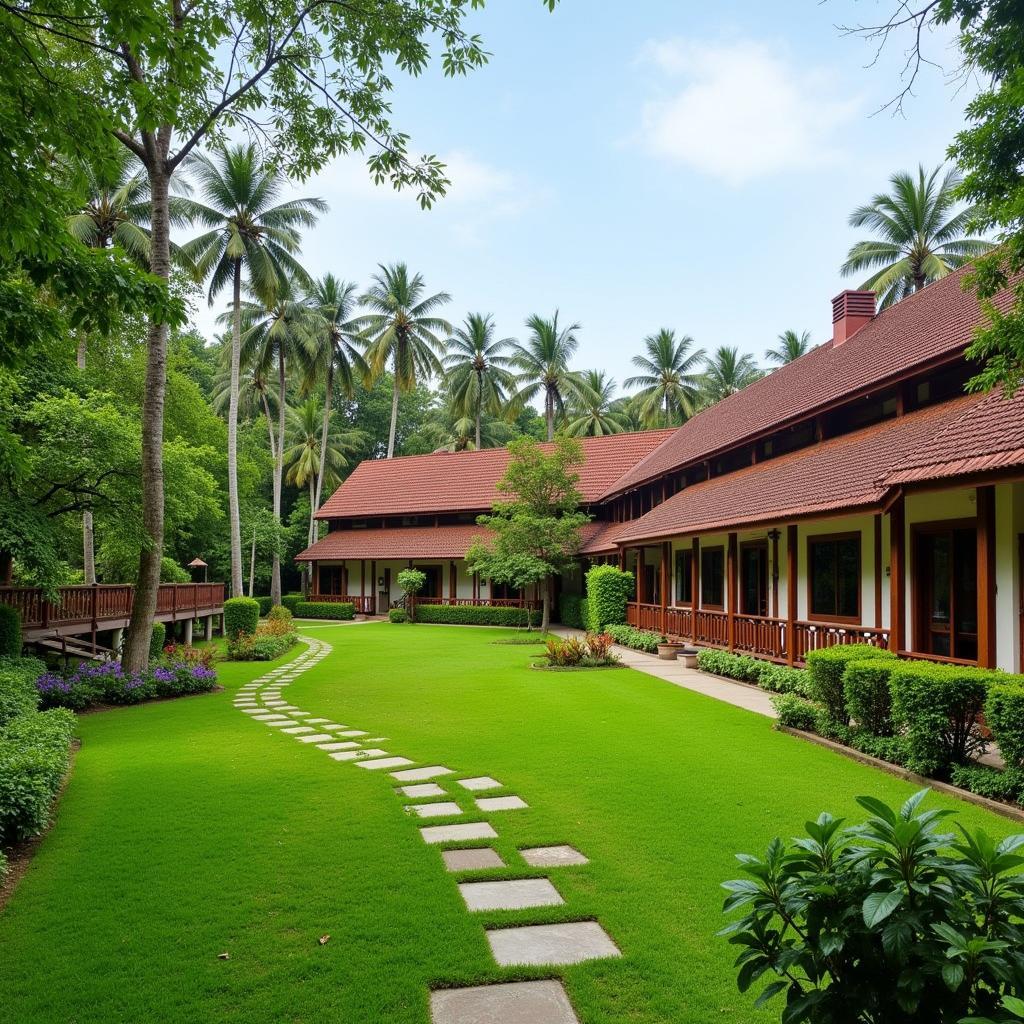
<point x="87" y="610"/>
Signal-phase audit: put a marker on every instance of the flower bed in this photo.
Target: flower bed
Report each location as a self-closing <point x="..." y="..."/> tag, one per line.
<point x="639" y="639"/>
<point x="593" y="652"/>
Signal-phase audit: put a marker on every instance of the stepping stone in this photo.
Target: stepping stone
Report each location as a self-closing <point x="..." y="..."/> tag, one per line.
<point x="443" y="809"/>
<point x="271" y="718"/>
<point x="456" y="833"/>
<point x="302" y="714"/>
<point x="318" y="721"/>
<point x="480" y="782"/>
<point x="419" y="774"/>
<point x="297" y="730"/>
<point x="472" y="860"/>
<point x="337" y="746"/>
<point x="551" y="944"/>
<point x="516" y="1002"/>
<point x="252" y="711"/>
<point x="385" y="762"/>
<point x="552" y="856"/>
<point x="376" y="739"/>
<point x="317" y="737"/>
<point x="346" y="755"/>
<point x="354" y="732"/>
<point x="335" y="728"/>
<point x="513" y="894"/>
<point x="277" y="725"/>
<point x="425" y="789"/>
<point x="276" y="703"/>
<point x="501" y="803"/>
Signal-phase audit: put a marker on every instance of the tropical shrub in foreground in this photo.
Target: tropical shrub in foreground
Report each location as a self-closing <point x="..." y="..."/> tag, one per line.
<point x="889" y="922"/>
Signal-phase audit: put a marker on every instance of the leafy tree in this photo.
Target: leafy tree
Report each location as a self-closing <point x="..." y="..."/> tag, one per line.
<point x="725" y="373"/>
<point x="369" y="410"/>
<point x="412" y="581"/>
<point x="670" y="378"/>
<point x="592" y="412"/>
<point x="917" y="240"/>
<point x="790" y="346"/>
<point x="537" y="530"/>
<point x="162" y="79"/>
<point x="444" y="429"/>
<point x="402" y="329"/>
<point x="476" y="370"/>
<point x="543" y="364"/>
<point x="250" y="231"/>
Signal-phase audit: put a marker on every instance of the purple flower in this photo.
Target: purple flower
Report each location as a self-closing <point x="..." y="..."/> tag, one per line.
<point x="163" y="675"/>
<point x="204" y="674"/>
<point x="49" y="681"/>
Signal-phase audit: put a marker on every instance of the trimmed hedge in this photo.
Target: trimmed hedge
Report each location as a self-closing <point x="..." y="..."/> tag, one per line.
<point x="10" y="631"/>
<point x="638" y="639"/>
<point x="475" y="615"/>
<point x="18" y="693"/>
<point x="266" y="603"/>
<point x="868" y="695"/>
<point x="397" y="615"/>
<point x="241" y="615"/>
<point x="324" y="610"/>
<point x="291" y="600"/>
<point x="34" y="755"/>
<point x="827" y="667"/>
<point x="608" y="591"/>
<point x="569" y="611"/>
<point x="733" y="666"/>
<point x="1004" y="715"/>
<point x="157" y="639"/>
<point x="796" y="712"/>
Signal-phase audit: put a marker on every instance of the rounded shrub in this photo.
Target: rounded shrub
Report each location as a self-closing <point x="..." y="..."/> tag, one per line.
<point x="1004" y="715"/>
<point x="10" y="631"/>
<point x="279" y="614"/>
<point x="827" y="667"/>
<point x="156" y="640"/>
<point x="608" y="591"/>
<point x="265" y="603"/>
<point x="397" y="615"/>
<point x="868" y="696"/>
<point x="241" y="615"/>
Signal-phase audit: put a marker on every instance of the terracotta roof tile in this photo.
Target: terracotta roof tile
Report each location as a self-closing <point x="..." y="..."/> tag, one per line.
<point x="932" y="324"/>
<point x="395" y="542"/>
<point x="599" y="538"/>
<point x="847" y="472"/>
<point x="467" y="481"/>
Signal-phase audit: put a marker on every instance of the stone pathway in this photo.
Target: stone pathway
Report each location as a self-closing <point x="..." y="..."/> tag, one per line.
<point x="545" y="945"/>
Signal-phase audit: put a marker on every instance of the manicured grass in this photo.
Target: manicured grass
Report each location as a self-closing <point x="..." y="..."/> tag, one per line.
<point x="188" y="831"/>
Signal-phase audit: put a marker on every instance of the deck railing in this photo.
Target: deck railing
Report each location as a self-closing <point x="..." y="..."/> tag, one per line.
<point x="364" y="605"/>
<point x="101" y="603"/>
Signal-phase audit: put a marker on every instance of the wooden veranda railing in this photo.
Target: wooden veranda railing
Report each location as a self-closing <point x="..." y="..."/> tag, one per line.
<point x="364" y="604"/>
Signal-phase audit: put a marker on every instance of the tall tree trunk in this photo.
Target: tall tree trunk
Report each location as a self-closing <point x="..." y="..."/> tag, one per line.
<point x="140" y="626"/>
<point x="252" y="566"/>
<point x="545" y="618"/>
<point x="324" y="431"/>
<point x="549" y="414"/>
<point x="282" y="384"/>
<point x="233" y="512"/>
<point x="479" y="406"/>
<point x="394" y="412"/>
<point x="311" y="536"/>
<point x="88" y="538"/>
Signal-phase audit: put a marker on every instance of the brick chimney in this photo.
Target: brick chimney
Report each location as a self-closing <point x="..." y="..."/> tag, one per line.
<point x="851" y="310"/>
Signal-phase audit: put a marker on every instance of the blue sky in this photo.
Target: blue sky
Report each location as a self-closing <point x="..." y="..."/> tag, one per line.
<point x="641" y="165"/>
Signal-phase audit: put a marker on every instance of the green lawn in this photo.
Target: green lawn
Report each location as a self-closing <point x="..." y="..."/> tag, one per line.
<point x="188" y="830"/>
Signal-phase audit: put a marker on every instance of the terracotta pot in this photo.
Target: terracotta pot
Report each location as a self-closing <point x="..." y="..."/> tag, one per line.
<point x="667" y="652"/>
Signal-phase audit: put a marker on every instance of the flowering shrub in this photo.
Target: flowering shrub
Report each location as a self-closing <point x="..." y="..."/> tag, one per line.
<point x="565" y="652"/>
<point x="600" y="647"/>
<point x="272" y="638"/>
<point x="594" y="652"/>
<point x="204" y="656"/>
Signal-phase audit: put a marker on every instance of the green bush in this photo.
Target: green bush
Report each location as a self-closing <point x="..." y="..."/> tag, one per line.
<point x="783" y="679"/>
<point x="325" y="610"/>
<point x="585" y="615"/>
<point x="397" y="615"/>
<point x="475" y="615"/>
<point x="608" y="591"/>
<point x="34" y="753"/>
<point x="1004" y="715"/>
<point x="265" y="603"/>
<point x="18" y="693"/>
<point x="827" y="667"/>
<point x="990" y="782"/>
<point x="3" y="866"/>
<point x="241" y="615"/>
<point x="889" y="748"/>
<point x="569" y="612"/>
<point x="796" y="712"/>
<point x="936" y="707"/>
<point x="260" y="646"/>
<point x="279" y="614"/>
<point x="638" y="639"/>
<point x="732" y="666"/>
<point x="10" y="631"/>
<point x="868" y="695"/>
<point x="291" y="600"/>
<point x="156" y="640"/>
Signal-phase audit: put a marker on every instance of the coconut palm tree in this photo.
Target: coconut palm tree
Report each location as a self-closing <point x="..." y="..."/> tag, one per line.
<point x="272" y="334"/>
<point x="725" y="373"/>
<point x="916" y="240"/>
<point x="593" y="410"/>
<point x="307" y="456"/>
<point x="402" y="328"/>
<point x="670" y="378"/>
<point x="543" y="364"/>
<point x="790" y="346"/>
<point x="446" y="429"/>
<point x="476" y="369"/>
<point x="250" y="232"/>
<point x="256" y="394"/>
<point x="335" y="355"/>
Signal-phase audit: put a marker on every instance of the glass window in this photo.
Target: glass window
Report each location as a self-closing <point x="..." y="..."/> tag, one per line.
<point x="684" y="577"/>
<point x="834" y="568"/>
<point x="712" y="577"/>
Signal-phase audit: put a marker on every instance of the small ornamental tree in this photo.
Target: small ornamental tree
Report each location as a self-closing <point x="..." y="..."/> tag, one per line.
<point x="537" y="530"/>
<point x="412" y="581"/>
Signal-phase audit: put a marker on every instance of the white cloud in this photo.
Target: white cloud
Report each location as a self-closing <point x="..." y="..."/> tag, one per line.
<point x="741" y="110"/>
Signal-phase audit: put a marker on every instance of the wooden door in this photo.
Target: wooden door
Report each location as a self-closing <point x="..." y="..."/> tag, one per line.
<point x="946" y="583"/>
<point x="754" y="578"/>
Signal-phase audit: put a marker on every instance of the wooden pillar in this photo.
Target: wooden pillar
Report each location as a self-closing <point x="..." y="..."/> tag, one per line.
<point x="452" y="581"/>
<point x="362" y="577"/>
<point x="622" y="559"/>
<point x="666" y="549"/>
<point x="986" y="501"/>
<point x="878" y="570"/>
<point x="792" y="577"/>
<point x="641" y="577"/>
<point x="897" y="576"/>
<point x="315" y="578"/>
<point x="373" y="587"/>
<point x="731" y="574"/>
<point x="695" y="578"/>
<point x="775" y="573"/>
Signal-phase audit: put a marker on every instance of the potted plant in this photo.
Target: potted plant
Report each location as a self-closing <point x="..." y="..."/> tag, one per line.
<point x="667" y="651"/>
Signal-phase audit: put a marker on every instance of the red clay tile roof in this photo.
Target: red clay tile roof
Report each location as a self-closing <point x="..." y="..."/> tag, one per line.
<point x="987" y="437"/>
<point x="846" y="473"/>
<point x="467" y="481"/>
<point x="395" y="542"/>
<point x="930" y="325"/>
<point x="599" y="538"/>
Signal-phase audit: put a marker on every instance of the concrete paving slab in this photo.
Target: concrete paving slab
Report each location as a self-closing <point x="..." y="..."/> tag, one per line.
<point x="441" y="809"/>
<point x="501" y="803"/>
<point x="516" y="1002"/>
<point x="552" y="856"/>
<point x="384" y="762"/>
<point x="551" y="944"/>
<point x="298" y="730"/>
<point x="472" y="860"/>
<point x="480" y="782"/>
<point x="457" y="833"/>
<point x="317" y="737"/>
<point x="510" y="894"/>
<point x="419" y="774"/>
<point x="348" y="745"/>
<point x="424" y="789"/>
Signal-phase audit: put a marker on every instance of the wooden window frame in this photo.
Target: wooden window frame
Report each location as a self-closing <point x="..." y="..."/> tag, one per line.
<point x="686" y="554"/>
<point x="762" y="544"/>
<point x="824" y="538"/>
<point x="706" y="551"/>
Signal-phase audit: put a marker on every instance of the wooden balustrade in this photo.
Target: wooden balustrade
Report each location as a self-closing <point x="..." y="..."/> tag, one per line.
<point x="760" y="635"/>
<point x="678" y="622"/>
<point x="711" y="628"/>
<point x="813" y="636"/>
<point x="364" y="604"/>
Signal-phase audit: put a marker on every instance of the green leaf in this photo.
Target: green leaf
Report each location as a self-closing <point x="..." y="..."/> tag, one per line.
<point x="879" y="905"/>
<point x="953" y="976"/>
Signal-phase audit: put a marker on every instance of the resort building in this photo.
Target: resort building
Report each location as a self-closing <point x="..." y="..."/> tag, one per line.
<point x="855" y="494"/>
